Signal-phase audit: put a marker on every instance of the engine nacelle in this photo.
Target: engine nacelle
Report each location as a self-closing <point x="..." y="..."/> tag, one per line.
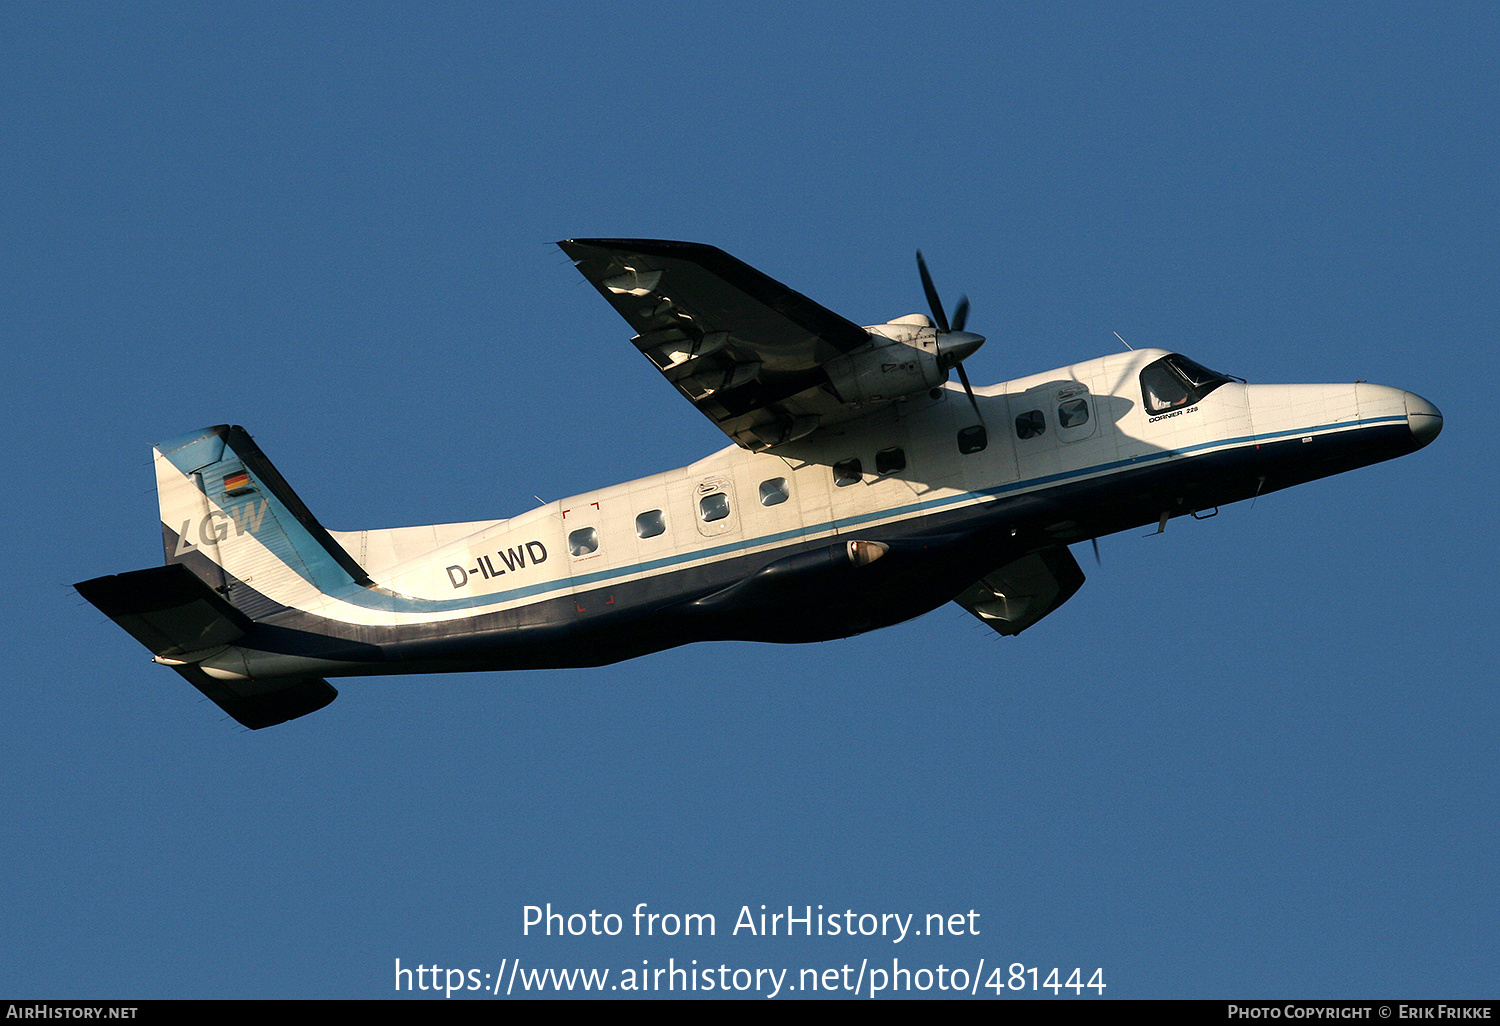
<point x="900" y="359"/>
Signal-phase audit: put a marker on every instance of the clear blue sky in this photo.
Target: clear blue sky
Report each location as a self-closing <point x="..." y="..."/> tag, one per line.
<point x="1254" y="757"/>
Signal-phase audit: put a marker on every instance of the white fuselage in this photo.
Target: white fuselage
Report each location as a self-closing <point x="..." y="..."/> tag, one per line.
<point x="878" y="476"/>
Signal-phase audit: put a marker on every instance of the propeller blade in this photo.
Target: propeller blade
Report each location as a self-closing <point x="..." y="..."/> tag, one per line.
<point x="964" y="377"/>
<point x="1096" y="551"/>
<point x="933" y="301"/>
<point x="961" y="314"/>
<point x="958" y="343"/>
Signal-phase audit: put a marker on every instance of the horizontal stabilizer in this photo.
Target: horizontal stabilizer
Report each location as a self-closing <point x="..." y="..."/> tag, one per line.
<point x="262" y="703"/>
<point x="169" y="609"/>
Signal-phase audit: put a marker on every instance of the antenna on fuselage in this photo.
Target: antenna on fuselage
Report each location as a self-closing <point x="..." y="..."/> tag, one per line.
<point x="1127" y="345"/>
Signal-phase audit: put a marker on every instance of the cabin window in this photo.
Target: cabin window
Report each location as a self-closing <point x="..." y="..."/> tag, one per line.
<point x="1074" y="413"/>
<point x="847" y="472"/>
<point x="583" y="541"/>
<point x="1029" y="425"/>
<point x="774" y="492"/>
<point x="1175" y="381"/>
<point x="973" y="439"/>
<point x="650" y="524"/>
<point x="890" y="461"/>
<point x="714" y="506"/>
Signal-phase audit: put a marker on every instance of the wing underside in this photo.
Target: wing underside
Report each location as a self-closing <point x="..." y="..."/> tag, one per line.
<point x="746" y="350"/>
<point x="1013" y="597"/>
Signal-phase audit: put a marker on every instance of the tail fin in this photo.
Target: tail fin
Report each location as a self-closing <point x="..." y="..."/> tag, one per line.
<point x="230" y="517"/>
<point x="240" y="545"/>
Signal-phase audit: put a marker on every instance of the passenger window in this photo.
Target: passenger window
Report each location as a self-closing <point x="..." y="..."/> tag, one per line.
<point x="774" y="492"/>
<point x="583" y="541"/>
<point x="847" y="472"/>
<point x="1029" y="425"/>
<point x="972" y="439"/>
<point x="1073" y="414"/>
<point x="890" y="461"/>
<point x="714" y="506"/>
<point x="650" y="524"/>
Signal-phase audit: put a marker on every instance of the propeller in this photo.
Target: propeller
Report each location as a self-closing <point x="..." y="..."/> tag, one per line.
<point x="954" y="344"/>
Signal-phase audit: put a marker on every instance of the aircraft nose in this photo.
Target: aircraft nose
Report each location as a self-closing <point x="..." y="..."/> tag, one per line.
<point x="1423" y="418"/>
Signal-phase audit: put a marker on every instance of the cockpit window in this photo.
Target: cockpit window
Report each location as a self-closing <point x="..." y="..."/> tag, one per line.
<point x="1175" y="382"/>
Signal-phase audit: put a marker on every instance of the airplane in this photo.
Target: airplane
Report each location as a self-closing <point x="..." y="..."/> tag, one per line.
<point x="861" y="488"/>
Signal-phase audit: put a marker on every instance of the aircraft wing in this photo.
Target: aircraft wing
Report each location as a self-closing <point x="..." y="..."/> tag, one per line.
<point x="1015" y="596"/>
<point x="742" y="347"/>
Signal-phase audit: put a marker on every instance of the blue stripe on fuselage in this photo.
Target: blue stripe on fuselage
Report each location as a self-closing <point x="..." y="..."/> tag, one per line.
<point x="377" y="598"/>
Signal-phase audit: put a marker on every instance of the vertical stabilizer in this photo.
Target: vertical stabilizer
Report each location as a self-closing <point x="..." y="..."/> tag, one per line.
<point x="230" y="517"/>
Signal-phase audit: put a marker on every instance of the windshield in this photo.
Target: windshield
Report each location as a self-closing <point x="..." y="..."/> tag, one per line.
<point x="1175" y="382"/>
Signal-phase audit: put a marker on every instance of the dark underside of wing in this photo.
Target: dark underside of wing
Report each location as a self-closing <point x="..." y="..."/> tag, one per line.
<point x="742" y="347"/>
